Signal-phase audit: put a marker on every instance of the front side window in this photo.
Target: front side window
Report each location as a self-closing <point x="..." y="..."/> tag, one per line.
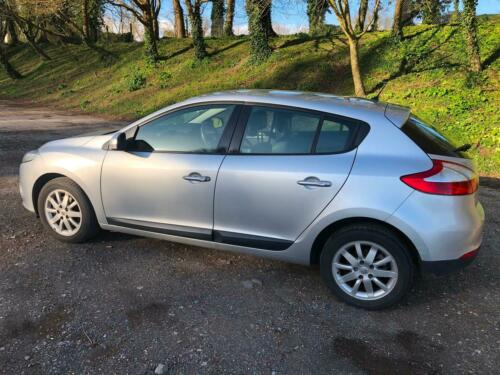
<point x="196" y="129"/>
<point x="279" y="131"/>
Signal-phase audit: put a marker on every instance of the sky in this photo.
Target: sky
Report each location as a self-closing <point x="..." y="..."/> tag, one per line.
<point x="289" y="16"/>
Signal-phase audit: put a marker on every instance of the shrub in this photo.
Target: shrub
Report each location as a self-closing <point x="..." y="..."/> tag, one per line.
<point x="164" y="77"/>
<point x="136" y="81"/>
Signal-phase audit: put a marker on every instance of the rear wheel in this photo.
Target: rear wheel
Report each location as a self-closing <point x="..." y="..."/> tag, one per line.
<point x="367" y="265"/>
<point x="66" y="211"/>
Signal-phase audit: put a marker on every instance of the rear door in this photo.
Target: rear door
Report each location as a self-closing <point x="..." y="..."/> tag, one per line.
<point x="285" y="165"/>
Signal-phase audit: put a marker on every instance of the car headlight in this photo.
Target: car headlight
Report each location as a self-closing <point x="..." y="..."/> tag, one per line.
<point x="30" y="155"/>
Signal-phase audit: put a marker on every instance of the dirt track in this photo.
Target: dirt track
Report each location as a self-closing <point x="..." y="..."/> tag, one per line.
<point x="124" y="304"/>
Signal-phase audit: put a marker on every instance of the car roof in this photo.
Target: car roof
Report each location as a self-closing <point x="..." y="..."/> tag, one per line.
<point x="367" y="110"/>
<point x="353" y="107"/>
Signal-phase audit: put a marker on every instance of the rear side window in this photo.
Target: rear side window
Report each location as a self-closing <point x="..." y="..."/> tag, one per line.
<point x="429" y="139"/>
<point x="335" y="136"/>
<point x="286" y="131"/>
<point x="279" y="131"/>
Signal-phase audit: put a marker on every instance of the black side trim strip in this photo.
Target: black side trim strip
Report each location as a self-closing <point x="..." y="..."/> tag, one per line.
<point x="240" y="239"/>
<point x="199" y="234"/>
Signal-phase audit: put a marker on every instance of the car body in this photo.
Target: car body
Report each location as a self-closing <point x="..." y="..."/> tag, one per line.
<point x="274" y="174"/>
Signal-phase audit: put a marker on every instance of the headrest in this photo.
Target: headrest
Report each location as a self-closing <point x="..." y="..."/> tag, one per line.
<point x="282" y="121"/>
<point x="256" y="122"/>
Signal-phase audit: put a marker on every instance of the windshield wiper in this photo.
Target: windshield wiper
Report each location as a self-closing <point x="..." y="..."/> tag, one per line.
<point x="463" y="148"/>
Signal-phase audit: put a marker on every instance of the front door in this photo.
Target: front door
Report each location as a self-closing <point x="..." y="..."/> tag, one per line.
<point x="165" y="180"/>
<point x="289" y="165"/>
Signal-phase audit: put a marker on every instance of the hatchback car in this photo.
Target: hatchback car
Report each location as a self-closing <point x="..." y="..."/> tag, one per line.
<point x="364" y="189"/>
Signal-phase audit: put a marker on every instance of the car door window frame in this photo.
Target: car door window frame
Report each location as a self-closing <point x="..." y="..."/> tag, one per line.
<point x="362" y="129"/>
<point x="227" y="134"/>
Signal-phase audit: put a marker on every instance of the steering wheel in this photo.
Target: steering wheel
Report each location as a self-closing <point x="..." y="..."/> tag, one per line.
<point x="209" y="134"/>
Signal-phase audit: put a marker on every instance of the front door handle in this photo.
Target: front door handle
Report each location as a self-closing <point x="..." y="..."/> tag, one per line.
<point x="196" y="177"/>
<point x="314" y="182"/>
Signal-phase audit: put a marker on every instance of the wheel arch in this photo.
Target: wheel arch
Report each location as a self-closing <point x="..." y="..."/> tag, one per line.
<point x="323" y="236"/>
<point x="44" y="180"/>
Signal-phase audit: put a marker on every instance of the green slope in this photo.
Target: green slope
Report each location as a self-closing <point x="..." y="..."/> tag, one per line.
<point x="433" y="81"/>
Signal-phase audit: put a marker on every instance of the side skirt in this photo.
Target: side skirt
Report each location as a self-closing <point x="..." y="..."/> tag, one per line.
<point x="230" y="238"/>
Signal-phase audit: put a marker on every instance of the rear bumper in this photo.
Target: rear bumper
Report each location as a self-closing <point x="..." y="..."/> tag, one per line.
<point x="442" y="267"/>
<point x="443" y="229"/>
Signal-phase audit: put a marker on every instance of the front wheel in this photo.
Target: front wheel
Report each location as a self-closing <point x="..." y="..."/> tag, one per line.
<point x="367" y="265"/>
<point x="66" y="211"/>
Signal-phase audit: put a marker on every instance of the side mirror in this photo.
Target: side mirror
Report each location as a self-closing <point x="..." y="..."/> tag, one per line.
<point x="118" y="142"/>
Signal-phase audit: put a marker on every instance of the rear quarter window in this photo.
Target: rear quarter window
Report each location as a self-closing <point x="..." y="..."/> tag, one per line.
<point x="429" y="139"/>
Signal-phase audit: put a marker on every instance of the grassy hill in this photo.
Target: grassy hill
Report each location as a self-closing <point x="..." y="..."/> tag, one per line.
<point x="427" y="71"/>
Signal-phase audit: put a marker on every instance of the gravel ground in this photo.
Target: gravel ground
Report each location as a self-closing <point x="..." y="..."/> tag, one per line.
<point x="125" y="304"/>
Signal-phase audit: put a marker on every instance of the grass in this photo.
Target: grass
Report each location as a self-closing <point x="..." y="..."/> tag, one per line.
<point x="426" y="71"/>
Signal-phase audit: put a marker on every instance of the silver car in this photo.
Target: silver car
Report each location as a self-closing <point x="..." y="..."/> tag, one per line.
<point x="364" y="189"/>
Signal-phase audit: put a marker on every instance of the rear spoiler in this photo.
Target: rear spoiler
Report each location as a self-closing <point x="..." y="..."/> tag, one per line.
<point x="397" y="114"/>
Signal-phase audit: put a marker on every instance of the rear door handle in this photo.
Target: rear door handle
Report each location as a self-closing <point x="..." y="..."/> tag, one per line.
<point x="315" y="182"/>
<point x="196" y="177"/>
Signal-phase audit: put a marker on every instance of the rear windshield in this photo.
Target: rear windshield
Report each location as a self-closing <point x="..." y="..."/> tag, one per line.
<point x="429" y="139"/>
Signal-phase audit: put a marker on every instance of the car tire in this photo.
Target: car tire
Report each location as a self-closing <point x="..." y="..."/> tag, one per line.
<point x="66" y="211"/>
<point x="378" y="278"/>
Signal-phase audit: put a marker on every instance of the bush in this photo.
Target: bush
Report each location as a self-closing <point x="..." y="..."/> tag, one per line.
<point x="136" y="81"/>
<point x="164" y="78"/>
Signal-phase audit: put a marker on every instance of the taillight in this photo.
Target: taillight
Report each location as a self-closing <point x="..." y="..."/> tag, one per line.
<point x="444" y="178"/>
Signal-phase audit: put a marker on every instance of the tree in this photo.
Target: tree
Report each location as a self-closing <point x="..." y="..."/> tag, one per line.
<point x="266" y="18"/>
<point x="360" y="21"/>
<point x="27" y="17"/>
<point x="430" y="11"/>
<point x="374" y="23"/>
<point x="341" y="9"/>
<point x="12" y="31"/>
<point x="469" y="26"/>
<point x="179" y="28"/>
<point x="217" y="18"/>
<point x="92" y="11"/>
<point x="397" y="25"/>
<point x="146" y="12"/>
<point x="257" y="27"/>
<point x="455" y="17"/>
<point x="4" y="58"/>
<point x="228" y="23"/>
<point x="316" y="10"/>
<point x="194" y="14"/>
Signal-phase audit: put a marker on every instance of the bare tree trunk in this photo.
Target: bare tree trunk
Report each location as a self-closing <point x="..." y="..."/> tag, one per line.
<point x="397" y="29"/>
<point x="156" y="27"/>
<point x="34" y="45"/>
<point x="266" y="18"/>
<point x="150" y="36"/>
<point x="179" y="28"/>
<point x="376" y="15"/>
<point x="228" y="24"/>
<point x="4" y="60"/>
<point x="360" y="21"/>
<point x="469" y="25"/>
<point x="217" y="18"/>
<point x="359" y="87"/>
<point x="11" y="29"/>
<point x="456" y="11"/>
<point x="86" y="19"/>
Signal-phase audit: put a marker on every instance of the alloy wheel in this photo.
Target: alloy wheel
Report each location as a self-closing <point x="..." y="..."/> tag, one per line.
<point x="63" y="212"/>
<point x="365" y="270"/>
